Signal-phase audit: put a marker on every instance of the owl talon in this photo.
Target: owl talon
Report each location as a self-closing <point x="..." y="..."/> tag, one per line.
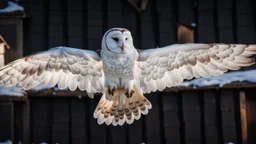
<point x="129" y="94"/>
<point x="111" y="91"/>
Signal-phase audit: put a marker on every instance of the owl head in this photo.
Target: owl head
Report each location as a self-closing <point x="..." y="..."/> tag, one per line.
<point x="117" y="41"/>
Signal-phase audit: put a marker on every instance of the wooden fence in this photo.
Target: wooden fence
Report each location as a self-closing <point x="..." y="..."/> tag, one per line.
<point x="179" y="116"/>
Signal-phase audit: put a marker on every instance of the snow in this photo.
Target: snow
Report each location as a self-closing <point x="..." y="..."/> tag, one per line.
<point x="12" y="7"/>
<point x="12" y="91"/>
<point x="226" y="78"/>
<point x="6" y="142"/>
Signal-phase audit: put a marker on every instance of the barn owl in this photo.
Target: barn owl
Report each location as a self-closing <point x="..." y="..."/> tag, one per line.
<point x="122" y="73"/>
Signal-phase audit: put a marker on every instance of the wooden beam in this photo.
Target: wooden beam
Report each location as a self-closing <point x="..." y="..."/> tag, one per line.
<point x="78" y="93"/>
<point x="242" y="103"/>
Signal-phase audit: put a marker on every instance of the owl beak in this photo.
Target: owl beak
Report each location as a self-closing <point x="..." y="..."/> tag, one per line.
<point x="122" y="47"/>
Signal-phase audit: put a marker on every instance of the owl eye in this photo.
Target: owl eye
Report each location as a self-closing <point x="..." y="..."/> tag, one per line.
<point x="126" y="38"/>
<point x="115" y="39"/>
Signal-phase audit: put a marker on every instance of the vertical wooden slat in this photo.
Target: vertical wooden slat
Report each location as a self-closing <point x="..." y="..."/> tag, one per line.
<point x="245" y="22"/>
<point x="38" y="26"/>
<point x="148" y="35"/>
<point x="75" y="23"/>
<point x="225" y="25"/>
<point x="18" y="121"/>
<point x="6" y="121"/>
<point x="210" y="117"/>
<point x="61" y="121"/>
<point x="243" y="116"/>
<point x="166" y="22"/>
<point x="206" y="21"/>
<point x="135" y="131"/>
<point x="228" y="116"/>
<point x="251" y="116"/>
<point x="171" y="120"/>
<point x="95" y="23"/>
<point x="56" y="24"/>
<point x="192" y="117"/>
<point x="118" y="134"/>
<point x="153" y="129"/>
<point x="98" y="132"/>
<point x="41" y="120"/>
<point x="26" y="121"/>
<point x="114" y="14"/>
<point x="78" y="121"/>
<point x="186" y="11"/>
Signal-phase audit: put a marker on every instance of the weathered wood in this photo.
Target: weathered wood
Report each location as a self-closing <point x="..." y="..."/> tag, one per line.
<point x="153" y="120"/>
<point x="61" y="121"/>
<point x="98" y="133"/>
<point x="192" y="117"/>
<point x="6" y="121"/>
<point x="41" y="120"/>
<point x="228" y="116"/>
<point x="210" y="117"/>
<point x="171" y="122"/>
<point x="243" y="116"/>
<point x="78" y="121"/>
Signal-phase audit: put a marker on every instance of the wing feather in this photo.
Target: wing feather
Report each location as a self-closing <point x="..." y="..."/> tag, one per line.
<point x="169" y="66"/>
<point x="62" y="66"/>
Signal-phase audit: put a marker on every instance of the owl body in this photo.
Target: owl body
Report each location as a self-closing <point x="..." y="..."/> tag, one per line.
<point x="119" y="70"/>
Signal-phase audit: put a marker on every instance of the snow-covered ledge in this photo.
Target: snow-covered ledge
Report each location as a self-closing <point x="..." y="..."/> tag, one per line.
<point x="12" y="7"/>
<point x="226" y="78"/>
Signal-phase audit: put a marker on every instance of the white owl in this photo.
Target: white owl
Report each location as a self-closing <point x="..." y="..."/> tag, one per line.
<point x="122" y="73"/>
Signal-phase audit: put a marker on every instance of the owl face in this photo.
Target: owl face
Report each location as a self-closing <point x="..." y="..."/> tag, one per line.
<point x="118" y="41"/>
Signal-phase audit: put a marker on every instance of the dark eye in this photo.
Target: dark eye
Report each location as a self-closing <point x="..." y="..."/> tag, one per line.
<point x="115" y="39"/>
<point x="126" y="38"/>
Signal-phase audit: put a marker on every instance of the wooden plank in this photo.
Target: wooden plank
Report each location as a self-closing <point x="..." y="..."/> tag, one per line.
<point x="153" y="120"/>
<point x="210" y="117"/>
<point x="41" y="113"/>
<point x="245" y="22"/>
<point x="166" y="24"/>
<point x="6" y="121"/>
<point x="98" y="133"/>
<point x="243" y="116"/>
<point x="135" y="131"/>
<point x="118" y="134"/>
<point x="206" y="22"/>
<point x="78" y="121"/>
<point x="192" y="117"/>
<point x="225" y="21"/>
<point x="18" y="121"/>
<point x="26" y="122"/>
<point x="148" y="33"/>
<point x="186" y="12"/>
<point x="171" y="122"/>
<point x="61" y="121"/>
<point x="228" y="116"/>
<point x="114" y="14"/>
<point x="95" y="23"/>
<point x="250" y="115"/>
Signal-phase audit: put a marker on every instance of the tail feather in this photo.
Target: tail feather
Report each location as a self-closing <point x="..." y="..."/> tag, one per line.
<point x="118" y="109"/>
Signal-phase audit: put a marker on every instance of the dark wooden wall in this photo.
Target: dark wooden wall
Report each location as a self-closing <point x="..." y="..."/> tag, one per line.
<point x="190" y="117"/>
<point x="81" y="24"/>
<point x="184" y="117"/>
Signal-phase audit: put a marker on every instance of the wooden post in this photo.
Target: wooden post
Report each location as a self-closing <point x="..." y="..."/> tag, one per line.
<point x="2" y="49"/>
<point x="242" y="102"/>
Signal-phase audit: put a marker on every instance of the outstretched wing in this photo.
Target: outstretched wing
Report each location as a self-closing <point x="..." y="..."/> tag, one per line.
<point x="67" y="67"/>
<point x="169" y="66"/>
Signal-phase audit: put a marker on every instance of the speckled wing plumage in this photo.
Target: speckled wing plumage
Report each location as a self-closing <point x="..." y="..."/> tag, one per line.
<point x="67" y="67"/>
<point x="169" y="66"/>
